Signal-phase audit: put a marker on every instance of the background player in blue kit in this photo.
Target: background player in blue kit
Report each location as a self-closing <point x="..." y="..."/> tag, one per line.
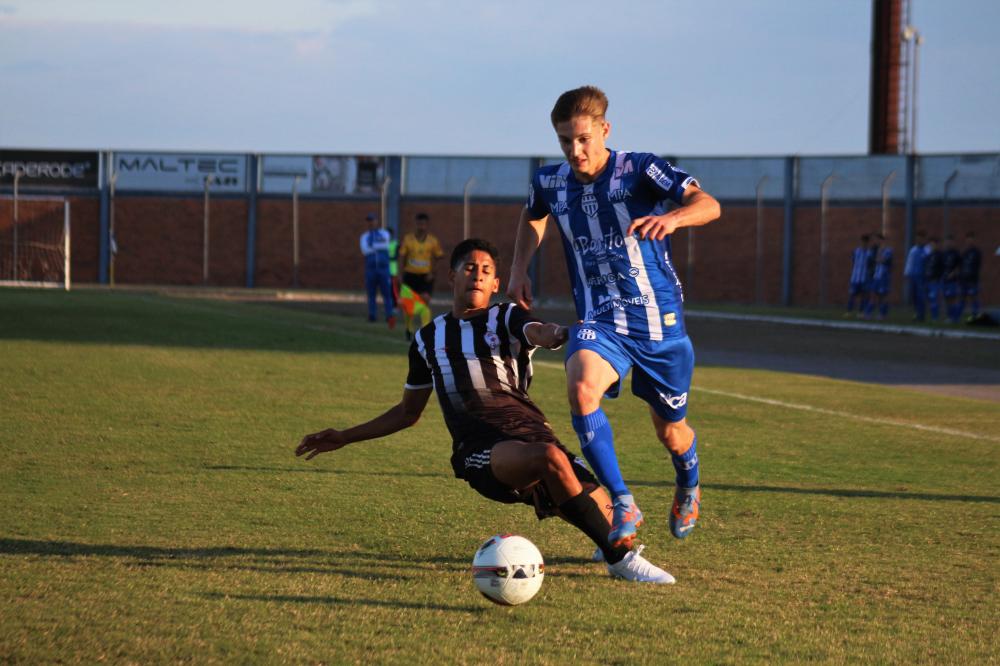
<point x="610" y="208"/>
<point x="858" y="286"/>
<point x="913" y="271"/>
<point x="951" y="263"/>
<point x="881" y="279"/>
<point x="933" y="275"/>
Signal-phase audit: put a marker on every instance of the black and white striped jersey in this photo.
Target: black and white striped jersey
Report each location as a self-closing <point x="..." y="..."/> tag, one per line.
<point x="480" y="369"/>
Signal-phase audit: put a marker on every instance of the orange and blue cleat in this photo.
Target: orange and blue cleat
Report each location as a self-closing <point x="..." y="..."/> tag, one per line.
<point x="626" y="520"/>
<point x="684" y="513"/>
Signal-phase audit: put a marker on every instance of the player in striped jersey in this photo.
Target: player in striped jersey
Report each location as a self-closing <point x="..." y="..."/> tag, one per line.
<point x="478" y="359"/>
<point x="611" y="210"/>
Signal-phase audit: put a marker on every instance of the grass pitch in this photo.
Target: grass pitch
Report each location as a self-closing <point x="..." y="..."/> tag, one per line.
<point x="153" y="511"/>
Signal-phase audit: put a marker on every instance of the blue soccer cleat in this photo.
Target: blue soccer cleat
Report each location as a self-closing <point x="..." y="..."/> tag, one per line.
<point x="627" y="519"/>
<point x="684" y="513"/>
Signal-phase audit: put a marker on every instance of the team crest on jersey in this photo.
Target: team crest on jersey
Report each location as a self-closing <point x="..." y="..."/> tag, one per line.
<point x="674" y="401"/>
<point x="492" y="339"/>
<point x="586" y="334"/>
<point x="589" y="204"/>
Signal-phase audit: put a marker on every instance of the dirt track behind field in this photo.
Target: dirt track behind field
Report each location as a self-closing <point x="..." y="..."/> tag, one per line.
<point x="958" y="367"/>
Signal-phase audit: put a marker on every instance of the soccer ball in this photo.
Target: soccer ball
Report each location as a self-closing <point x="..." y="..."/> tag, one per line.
<point x="508" y="569"/>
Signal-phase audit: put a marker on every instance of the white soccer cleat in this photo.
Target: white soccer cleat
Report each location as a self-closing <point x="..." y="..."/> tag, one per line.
<point x="637" y="568"/>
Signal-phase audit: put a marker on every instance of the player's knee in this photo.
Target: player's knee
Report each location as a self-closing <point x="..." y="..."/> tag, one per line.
<point x="550" y="460"/>
<point x="677" y="437"/>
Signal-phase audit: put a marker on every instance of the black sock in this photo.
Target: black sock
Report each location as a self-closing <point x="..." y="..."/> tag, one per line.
<point x="584" y="514"/>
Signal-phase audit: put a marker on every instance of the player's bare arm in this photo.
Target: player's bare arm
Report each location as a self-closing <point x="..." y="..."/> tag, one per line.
<point x="529" y="236"/>
<point x="699" y="208"/>
<point x="548" y="335"/>
<point x="403" y="415"/>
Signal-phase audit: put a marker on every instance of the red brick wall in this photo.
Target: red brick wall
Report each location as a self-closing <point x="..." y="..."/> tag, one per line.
<point x="160" y="241"/>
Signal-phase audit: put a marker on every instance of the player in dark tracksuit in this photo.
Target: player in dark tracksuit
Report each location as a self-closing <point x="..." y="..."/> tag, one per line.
<point x="968" y="276"/>
<point x="933" y="273"/>
<point x="951" y="260"/>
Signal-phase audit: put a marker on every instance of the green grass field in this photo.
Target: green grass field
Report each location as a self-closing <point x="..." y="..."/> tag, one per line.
<point x="151" y="508"/>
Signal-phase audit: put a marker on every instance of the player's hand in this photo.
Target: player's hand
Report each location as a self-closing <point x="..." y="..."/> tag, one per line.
<point x="655" y="227"/>
<point x="519" y="289"/>
<point x="321" y="442"/>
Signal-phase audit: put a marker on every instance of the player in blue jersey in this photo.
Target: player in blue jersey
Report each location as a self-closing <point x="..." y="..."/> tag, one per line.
<point x="951" y="261"/>
<point x="913" y="271"/>
<point x="881" y="279"/>
<point x="611" y="208"/>
<point x="858" y="286"/>
<point x="933" y="276"/>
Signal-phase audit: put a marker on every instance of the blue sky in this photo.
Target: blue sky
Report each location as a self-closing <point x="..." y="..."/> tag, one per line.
<point x="736" y="77"/>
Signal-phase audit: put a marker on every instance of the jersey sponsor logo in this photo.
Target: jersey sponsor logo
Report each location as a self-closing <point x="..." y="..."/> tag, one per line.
<point x="492" y="340"/>
<point x="610" y="278"/>
<point x="552" y="182"/>
<point x="589" y="204"/>
<point x="624" y="169"/>
<point x="586" y="334"/>
<point x="600" y="246"/>
<point x="617" y="304"/>
<point x="558" y="207"/>
<point x="670" y="319"/>
<point x="674" y="401"/>
<point x="660" y="178"/>
<point x="621" y="194"/>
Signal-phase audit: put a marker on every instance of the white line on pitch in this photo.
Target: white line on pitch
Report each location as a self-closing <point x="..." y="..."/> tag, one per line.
<point x="828" y="412"/>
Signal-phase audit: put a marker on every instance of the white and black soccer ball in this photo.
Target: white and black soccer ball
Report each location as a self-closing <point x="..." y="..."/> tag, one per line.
<point x="508" y="569"/>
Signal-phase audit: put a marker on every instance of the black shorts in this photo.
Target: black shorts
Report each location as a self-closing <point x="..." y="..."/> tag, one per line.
<point x="422" y="283"/>
<point x="472" y="463"/>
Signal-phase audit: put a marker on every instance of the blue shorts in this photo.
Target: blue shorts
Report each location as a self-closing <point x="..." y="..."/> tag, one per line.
<point x="661" y="369"/>
<point x="880" y="286"/>
<point x="950" y="288"/>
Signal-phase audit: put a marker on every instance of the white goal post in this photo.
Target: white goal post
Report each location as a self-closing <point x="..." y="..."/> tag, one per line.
<point x="35" y="241"/>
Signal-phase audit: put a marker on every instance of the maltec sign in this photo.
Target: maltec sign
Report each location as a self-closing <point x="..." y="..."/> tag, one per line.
<point x="49" y="168"/>
<point x="180" y="172"/>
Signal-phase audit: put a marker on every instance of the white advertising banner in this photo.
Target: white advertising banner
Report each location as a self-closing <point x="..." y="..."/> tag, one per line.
<point x="322" y="174"/>
<point x="180" y="172"/>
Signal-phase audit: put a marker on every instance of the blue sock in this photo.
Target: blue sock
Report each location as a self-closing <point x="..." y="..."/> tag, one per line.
<point x="686" y="466"/>
<point x="597" y="442"/>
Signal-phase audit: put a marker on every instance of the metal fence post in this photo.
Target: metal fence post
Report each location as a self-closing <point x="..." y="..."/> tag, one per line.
<point x="824" y="198"/>
<point x="204" y="260"/>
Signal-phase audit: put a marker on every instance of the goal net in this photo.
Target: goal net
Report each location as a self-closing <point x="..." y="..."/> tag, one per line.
<point x="34" y="241"/>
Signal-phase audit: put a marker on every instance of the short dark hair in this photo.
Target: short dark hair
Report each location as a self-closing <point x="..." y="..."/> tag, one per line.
<point x="468" y="246"/>
<point x="423" y="216"/>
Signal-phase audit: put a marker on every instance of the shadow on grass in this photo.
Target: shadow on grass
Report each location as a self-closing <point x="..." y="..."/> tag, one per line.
<point x="319" y="470"/>
<point x="268" y="560"/>
<point x="832" y="492"/>
<point x="341" y="601"/>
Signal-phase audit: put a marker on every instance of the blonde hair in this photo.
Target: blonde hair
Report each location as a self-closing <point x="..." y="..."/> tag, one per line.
<point x="583" y="101"/>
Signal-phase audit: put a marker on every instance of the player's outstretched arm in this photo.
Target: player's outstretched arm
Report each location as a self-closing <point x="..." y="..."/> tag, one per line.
<point x="406" y="413"/>
<point x="699" y="208"/>
<point x="529" y="236"/>
<point x="548" y="335"/>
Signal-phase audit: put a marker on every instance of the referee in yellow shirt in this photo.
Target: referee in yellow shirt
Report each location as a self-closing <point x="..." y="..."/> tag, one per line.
<point x="418" y="253"/>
